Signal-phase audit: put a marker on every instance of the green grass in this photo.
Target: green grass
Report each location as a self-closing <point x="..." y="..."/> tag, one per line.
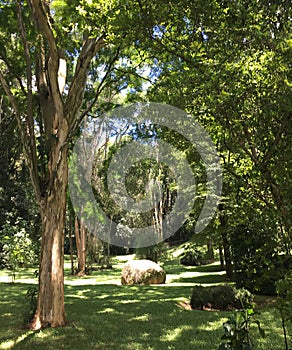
<point x="106" y="315"/>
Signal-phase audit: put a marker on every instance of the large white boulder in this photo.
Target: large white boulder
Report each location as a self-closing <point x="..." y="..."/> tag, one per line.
<point x="142" y="272"/>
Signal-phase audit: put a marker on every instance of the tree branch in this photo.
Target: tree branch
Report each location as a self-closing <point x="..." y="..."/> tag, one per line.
<point x="25" y="137"/>
<point x="9" y="94"/>
<point x="101" y="84"/>
<point x="42" y="18"/>
<point x="76" y="91"/>
<point x="30" y="121"/>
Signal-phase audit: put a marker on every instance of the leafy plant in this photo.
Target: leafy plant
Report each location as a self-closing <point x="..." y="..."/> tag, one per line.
<point x="31" y="303"/>
<point x="191" y="255"/>
<point x="236" y="330"/>
<point x="17" y="247"/>
<point x="244" y="298"/>
<point x="284" y="304"/>
<point x="201" y="296"/>
<point x="222" y="297"/>
<point x="256" y="261"/>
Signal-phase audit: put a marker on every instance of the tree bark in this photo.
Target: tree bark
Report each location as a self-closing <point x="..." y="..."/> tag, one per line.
<point x="225" y="242"/>
<point x="210" y="250"/>
<point x="71" y="245"/>
<point x="227" y="255"/>
<point x="80" y="234"/>
<point x="222" y="264"/>
<point x="50" y="305"/>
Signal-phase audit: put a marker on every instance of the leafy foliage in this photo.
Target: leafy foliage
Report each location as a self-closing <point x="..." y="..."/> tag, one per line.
<point x="229" y="66"/>
<point x="221" y="297"/>
<point x="257" y="263"/>
<point x="284" y="304"/>
<point x="18" y="208"/>
<point x="18" y="250"/>
<point x="30" y="304"/>
<point x="191" y="255"/>
<point x="155" y="253"/>
<point x="236" y="331"/>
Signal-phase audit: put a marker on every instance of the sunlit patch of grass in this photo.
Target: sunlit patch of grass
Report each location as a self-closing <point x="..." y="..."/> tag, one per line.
<point x="211" y="325"/>
<point x="22" y="275"/>
<point x="144" y="318"/>
<point x="175" y="333"/>
<point x="115" y="317"/>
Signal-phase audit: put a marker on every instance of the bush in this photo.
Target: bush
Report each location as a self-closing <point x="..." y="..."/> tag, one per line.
<point x="18" y="249"/>
<point x="191" y="255"/>
<point x="284" y="305"/>
<point x="201" y="296"/>
<point x="154" y="253"/>
<point x="256" y="261"/>
<point x="222" y="297"/>
<point x="30" y="304"/>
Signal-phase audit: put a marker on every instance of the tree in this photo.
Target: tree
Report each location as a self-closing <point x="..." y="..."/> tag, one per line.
<point x="57" y="120"/>
<point x="238" y="87"/>
<point x="52" y="50"/>
<point x="80" y="235"/>
<point x="18" y="210"/>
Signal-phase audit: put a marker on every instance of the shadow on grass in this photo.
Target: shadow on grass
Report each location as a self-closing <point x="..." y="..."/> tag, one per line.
<point x="173" y="267"/>
<point x="98" y="274"/>
<point x="121" y="317"/>
<point x="209" y="268"/>
<point x="113" y="317"/>
<point x="204" y="279"/>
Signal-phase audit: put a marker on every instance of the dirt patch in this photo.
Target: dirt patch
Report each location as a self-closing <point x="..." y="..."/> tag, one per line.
<point x="263" y="301"/>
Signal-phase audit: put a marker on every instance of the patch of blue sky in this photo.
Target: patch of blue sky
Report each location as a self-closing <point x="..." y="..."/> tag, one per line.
<point x="158" y="31"/>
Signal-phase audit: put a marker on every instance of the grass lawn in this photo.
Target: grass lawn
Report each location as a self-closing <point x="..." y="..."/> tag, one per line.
<point x="102" y="314"/>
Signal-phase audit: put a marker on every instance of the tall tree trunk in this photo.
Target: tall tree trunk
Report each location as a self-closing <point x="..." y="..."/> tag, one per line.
<point x="83" y="245"/>
<point x="225" y="242"/>
<point x="80" y="234"/>
<point x="222" y="264"/>
<point x="71" y="245"/>
<point x="227" y="255"/>
<point x="50" y="305"/>
<point x="210" y="250"/>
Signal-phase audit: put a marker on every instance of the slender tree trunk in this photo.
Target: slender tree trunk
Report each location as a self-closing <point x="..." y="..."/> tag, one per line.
<point x="80" y="234"/>
<point x="71" y="245"/>
<point x="227" y="255"/>
<point x="210" y="250"/>
<point x="222" y="264"/>
<point x="225" y="243"/>
<point x="83" y="246"/>
<point x="50" y="305"/>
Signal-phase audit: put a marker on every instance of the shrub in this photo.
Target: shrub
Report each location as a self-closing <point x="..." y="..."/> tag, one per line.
<point x="191" y="255"/>
<point x="201" y="296"/>
<point x="284" y="305"/>
<point x="237" y="330"/>
<point x="256" y="261"/>
<point x="18" y="249"/>
<point x="221" y="297"/>
<point x="30" y="304"/>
